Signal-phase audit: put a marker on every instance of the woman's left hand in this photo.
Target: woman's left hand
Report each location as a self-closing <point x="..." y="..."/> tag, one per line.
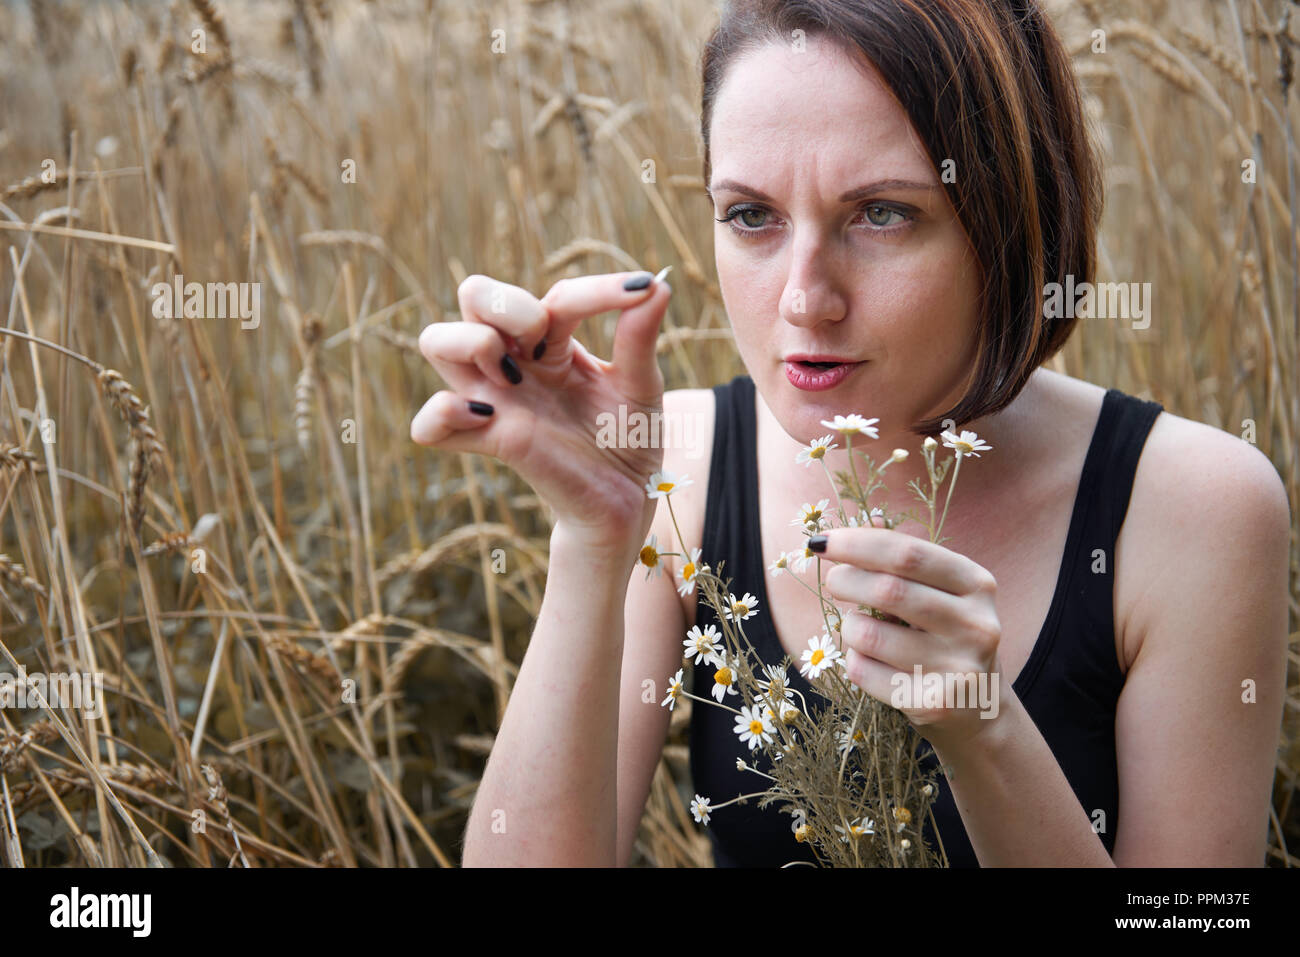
<point x="949" y="602"/>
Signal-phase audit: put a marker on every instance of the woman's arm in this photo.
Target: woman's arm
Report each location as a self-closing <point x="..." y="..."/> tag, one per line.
<point x="1198" y="720"/>
<point x="548" y="793"/>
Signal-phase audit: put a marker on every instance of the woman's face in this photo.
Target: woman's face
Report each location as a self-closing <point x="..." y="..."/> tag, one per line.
<point x="842" y="244"/>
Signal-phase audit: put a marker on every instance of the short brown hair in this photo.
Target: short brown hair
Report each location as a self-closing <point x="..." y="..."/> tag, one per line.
<point x="988" y="84"/>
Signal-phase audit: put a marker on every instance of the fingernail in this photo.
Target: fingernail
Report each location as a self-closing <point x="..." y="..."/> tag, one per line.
<point x="511" y="370"/>
<point x="638" y="282"/>
<point x="480" y="408"/>
<point x="539" y="349"/>
<point x="817" y="543"/>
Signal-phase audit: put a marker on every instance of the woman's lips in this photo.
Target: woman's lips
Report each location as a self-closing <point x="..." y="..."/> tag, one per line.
<point x="813" y="378"/>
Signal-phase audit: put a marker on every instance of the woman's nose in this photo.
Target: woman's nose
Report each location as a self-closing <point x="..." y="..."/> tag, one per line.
<point x="812" y="294"/>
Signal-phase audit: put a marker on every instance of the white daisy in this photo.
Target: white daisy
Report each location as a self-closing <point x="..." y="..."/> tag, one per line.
<point x="853" y="425"/>
<point x="781" y="564"/>
<point x="859" y="828"/>
<point x="813" y="517"/>
<point x="873" y="519"/>
<point x="741" y="608"/>
<point x="688" y="572"/>
<point x="705" y="645"/>
<point x="662" y="484"/>
<point x="843" y="742"/>
<point x="725" y="678"/>
<point x="801" y="558"/>
<point x="754" y="726"/>
<point x="700" y="808"/>
<point x="821" y="654"/>
<point x="674" y="689"/>
<point x="968" y="443"/>
<point x="775" y="687"/>
<point x="815" y="450"/>
<point x="649" y="557"/>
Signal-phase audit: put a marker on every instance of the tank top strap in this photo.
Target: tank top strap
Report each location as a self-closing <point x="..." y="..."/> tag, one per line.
<point x="1127" y="420"/>
<point x="1079" y="635"/>
<point x="731" y="511"/>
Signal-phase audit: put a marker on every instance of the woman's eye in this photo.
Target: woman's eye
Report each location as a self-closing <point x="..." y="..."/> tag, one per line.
<point x="741" y="213"/>
<point x="879" y="216"/>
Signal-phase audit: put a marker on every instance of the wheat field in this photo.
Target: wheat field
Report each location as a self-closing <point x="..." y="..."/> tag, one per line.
<point x="230" y="522"/>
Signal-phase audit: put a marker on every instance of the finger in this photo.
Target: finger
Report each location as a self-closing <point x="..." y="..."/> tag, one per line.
<point x="919" y="605"/>
<point x="452" y="422"/>
<point x="636" y="362"/>
<point x="890" y="644"/>
<point x="897" y="553"/>
<point x="570" y="301"/>
<point x="451" y="347"/>
<point x="515" y="312"/>
<point x="873" y="677"/>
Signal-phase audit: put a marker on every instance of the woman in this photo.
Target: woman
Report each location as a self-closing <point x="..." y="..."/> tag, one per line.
<point x="893" y="188"/>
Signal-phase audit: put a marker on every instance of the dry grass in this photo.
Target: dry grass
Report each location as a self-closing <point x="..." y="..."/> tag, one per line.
<point x="346" y="553"/>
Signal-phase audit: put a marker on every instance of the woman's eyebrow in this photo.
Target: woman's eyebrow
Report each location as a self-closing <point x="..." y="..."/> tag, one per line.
<point x="879" y="186"/>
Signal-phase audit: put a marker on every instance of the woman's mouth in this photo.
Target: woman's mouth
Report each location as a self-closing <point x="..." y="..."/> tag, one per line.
<point x="817" y="376"/>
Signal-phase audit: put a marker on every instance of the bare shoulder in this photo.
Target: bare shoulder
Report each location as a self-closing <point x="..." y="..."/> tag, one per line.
<point x="1200" y="496"/>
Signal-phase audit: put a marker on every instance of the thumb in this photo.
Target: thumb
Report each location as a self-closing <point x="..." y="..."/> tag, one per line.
<point x="636" y="366"/>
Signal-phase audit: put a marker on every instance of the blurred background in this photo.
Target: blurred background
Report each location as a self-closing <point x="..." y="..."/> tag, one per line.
<point x="232" y="523"/>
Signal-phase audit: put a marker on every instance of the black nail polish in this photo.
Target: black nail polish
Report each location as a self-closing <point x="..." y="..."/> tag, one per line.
<point x="817" y="543"/>
<point x="638" y="282"/>
<point x="511" y="370"/>
<point x="539" y="349"/>
<point x="480" y="408"/>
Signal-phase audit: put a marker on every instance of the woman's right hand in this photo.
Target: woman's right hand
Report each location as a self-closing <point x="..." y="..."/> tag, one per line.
<point x="545" y="425"/>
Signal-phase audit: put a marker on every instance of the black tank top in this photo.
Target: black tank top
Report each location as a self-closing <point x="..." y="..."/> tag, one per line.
<point x="1069" y="685"/>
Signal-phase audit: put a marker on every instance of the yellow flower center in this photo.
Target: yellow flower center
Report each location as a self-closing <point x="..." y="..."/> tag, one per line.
<point x="688" y="571"/>
<point x="740" y="608"/>
<point x="817" y="656"/>
<point x="801" y="833"/>
<point x="859" y="736"/>
<point x="649" y="556"/>
<point x="755" y="727"/>
<point x="722" y="676"/>
<point x="817" y="452"/>
<point x="903" y="815"/>
<point x="964" y="446"/>
<point x="665" y="486"/>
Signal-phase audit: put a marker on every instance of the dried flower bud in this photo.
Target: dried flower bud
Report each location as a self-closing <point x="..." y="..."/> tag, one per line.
<point x="929" y="444"/>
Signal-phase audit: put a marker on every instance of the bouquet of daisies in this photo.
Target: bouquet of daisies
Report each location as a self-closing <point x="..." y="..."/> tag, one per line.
<point x="845" y="764"/>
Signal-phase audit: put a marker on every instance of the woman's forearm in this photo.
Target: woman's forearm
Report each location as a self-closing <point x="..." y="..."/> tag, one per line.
<point x="548" y="795"/>
<point x="1016" y="804"/>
